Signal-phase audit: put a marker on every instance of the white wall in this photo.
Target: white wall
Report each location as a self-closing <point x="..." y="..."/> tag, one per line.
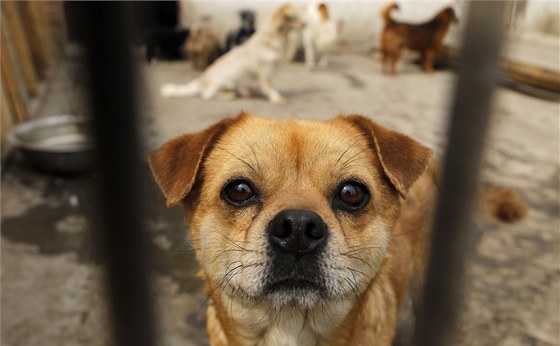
<point x="362" y="21"/>
<point x="542" y="16"/>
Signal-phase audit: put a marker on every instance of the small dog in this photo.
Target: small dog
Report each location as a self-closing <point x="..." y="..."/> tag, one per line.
<point x="238" y="36"/>
<point x="320" y="35"/>
<point x="307" y="233"/>
<point x="256" y="60"/>
<point x="424" y="38"/>
<point x="165" y="42"/>
<point x="203" y="46"/>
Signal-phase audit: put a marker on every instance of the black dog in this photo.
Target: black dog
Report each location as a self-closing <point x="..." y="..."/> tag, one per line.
<point x="161" y="31"/>
<point x="165" y="42"/>
<point x="241" y="34"/>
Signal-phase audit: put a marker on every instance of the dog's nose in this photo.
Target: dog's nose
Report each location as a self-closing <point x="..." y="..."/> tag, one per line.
<point x="297" y="231"/>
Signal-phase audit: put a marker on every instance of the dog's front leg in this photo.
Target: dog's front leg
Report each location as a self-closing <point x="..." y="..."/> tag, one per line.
<point x="324" y="61"/>
<point x="265" y="81"/>
<point x="428" y="57"/>
<point x="309" y="53"/>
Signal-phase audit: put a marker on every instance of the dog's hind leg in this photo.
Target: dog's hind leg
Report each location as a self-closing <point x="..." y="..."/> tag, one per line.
<point x="309" y="50"/>
<point x="210" y="91"/>
<point x="384" y="63"/>
<point x="393" y="65"/>
<point x="324" y="61"/>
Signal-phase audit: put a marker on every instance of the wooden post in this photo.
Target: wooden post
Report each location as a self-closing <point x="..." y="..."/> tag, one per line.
<point x="42" y="19"/>
<point x="28" y="14"/>
<point x="11" y="16"/>
<point x="10" y="82"/>
<point x="7" y="121"/>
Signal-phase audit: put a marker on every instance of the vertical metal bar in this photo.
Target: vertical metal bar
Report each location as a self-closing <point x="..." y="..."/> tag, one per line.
<point x="452" y="225"/>
<point x="106" y="27"/>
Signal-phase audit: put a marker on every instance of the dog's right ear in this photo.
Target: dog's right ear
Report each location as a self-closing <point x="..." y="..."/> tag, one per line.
<point x="175" y="165"/>
<point x="403" y="159"/>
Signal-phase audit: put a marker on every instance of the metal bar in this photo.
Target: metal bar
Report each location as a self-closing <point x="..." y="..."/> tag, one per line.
<point x="452" y="225"/>
<point x="106" y="27"/>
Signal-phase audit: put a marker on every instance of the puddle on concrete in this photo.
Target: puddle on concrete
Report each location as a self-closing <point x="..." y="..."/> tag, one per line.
<point x="64" y="221"/>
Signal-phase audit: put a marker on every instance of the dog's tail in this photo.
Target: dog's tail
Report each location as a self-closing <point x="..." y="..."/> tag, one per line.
<point x="386" y="13"/>
<point x="502" y="203"/>
<point x="177" y="90"/>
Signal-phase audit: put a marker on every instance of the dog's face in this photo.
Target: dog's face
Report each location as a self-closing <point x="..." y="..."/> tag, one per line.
<point x="286" y="19"/>
<point x="247" y="19"/>
<point x="448" y="14"/>
<point x="290" y="212"/>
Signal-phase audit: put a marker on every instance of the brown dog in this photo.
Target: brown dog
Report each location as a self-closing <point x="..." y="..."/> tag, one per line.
<point x="307" y="233"/>
<point x="424" y="38"/>
<point x="203" y="48"/>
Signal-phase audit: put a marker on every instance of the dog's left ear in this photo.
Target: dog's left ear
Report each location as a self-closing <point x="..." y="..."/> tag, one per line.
<point x="402" y="158"/>
<point x="175" y="165"/>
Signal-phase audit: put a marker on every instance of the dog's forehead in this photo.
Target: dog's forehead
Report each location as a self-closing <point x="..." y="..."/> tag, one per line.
<point x="290" y="146"/>
<point x="293" y="137"/>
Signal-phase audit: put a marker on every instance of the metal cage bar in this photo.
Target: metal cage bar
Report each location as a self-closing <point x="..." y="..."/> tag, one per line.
<point x="453" y="221"/>
<point x="106" y="28"/>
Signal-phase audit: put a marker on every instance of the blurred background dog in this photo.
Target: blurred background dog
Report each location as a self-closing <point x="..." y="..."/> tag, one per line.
<point x="164" y="36"/>
<point x="424" y="38"/>
<point x="320" y="35"/>
<point x="254" y="62"/>
<point x="238" y="36"/>
<point x="203" y="45"/>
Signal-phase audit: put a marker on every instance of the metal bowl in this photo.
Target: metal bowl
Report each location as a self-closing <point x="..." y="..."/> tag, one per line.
<point x="57" y="144"/>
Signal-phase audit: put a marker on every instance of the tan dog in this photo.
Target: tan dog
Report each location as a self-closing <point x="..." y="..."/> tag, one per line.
<point x="203" y="46"/>
<point x="256" y="60"/>
<point x="307" y="233"/>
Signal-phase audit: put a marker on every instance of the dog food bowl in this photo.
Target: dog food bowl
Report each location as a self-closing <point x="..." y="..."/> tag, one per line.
<point x="55" y="144"/>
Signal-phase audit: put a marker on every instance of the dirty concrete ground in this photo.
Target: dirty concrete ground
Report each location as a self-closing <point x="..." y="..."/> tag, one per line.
<point x="51" y="277"/>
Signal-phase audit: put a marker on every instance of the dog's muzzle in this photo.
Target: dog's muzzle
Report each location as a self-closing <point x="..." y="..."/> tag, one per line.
<point x="297" y="232"/>
<point x="296" y="242"/>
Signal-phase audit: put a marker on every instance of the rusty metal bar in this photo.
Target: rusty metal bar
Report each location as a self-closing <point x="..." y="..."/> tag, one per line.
<point x="106" y="28"/>
<point x="452" y="230"/>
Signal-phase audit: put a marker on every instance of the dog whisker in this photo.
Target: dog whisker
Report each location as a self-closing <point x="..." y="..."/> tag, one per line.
<point x="363" y="248"/>
<point x="240" y="159"/>
<point x="404" y="233"/>
<point x="223" y="252"/>
<point x="353" y="158"/>
<point x="361" y="273"/>
<point x="361" y="260"/>
<point x="344" y="153"/>
<point x="265" y="313"/>
<point x="353" y="286"/>
<point x="326" y="313"/>
<point x="234" y="243"/>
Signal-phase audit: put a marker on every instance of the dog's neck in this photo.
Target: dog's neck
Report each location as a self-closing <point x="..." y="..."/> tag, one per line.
<point x="259" y="323"/>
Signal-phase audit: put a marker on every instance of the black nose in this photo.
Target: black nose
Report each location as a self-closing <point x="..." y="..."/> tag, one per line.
<point x="297" y="231"/>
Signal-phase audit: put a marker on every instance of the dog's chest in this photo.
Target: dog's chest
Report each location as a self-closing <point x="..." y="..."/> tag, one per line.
<point x="292" y="327"/>
<point x="289" y="332"/>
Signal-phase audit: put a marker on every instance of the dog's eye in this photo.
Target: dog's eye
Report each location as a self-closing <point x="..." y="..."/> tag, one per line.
<point x="352" y="196"/>
<point x="238" y="192"/>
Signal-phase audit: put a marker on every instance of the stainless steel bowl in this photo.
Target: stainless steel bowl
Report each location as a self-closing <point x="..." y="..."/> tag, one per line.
<point x="58" y="144"/>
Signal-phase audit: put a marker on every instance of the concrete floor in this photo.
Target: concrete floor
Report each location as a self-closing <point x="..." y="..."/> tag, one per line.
<point x="51" y="277"/>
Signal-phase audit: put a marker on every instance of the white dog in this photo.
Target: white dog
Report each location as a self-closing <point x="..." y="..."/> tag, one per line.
<point x="254" y="61"/>
<point x="320" y="35"/>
